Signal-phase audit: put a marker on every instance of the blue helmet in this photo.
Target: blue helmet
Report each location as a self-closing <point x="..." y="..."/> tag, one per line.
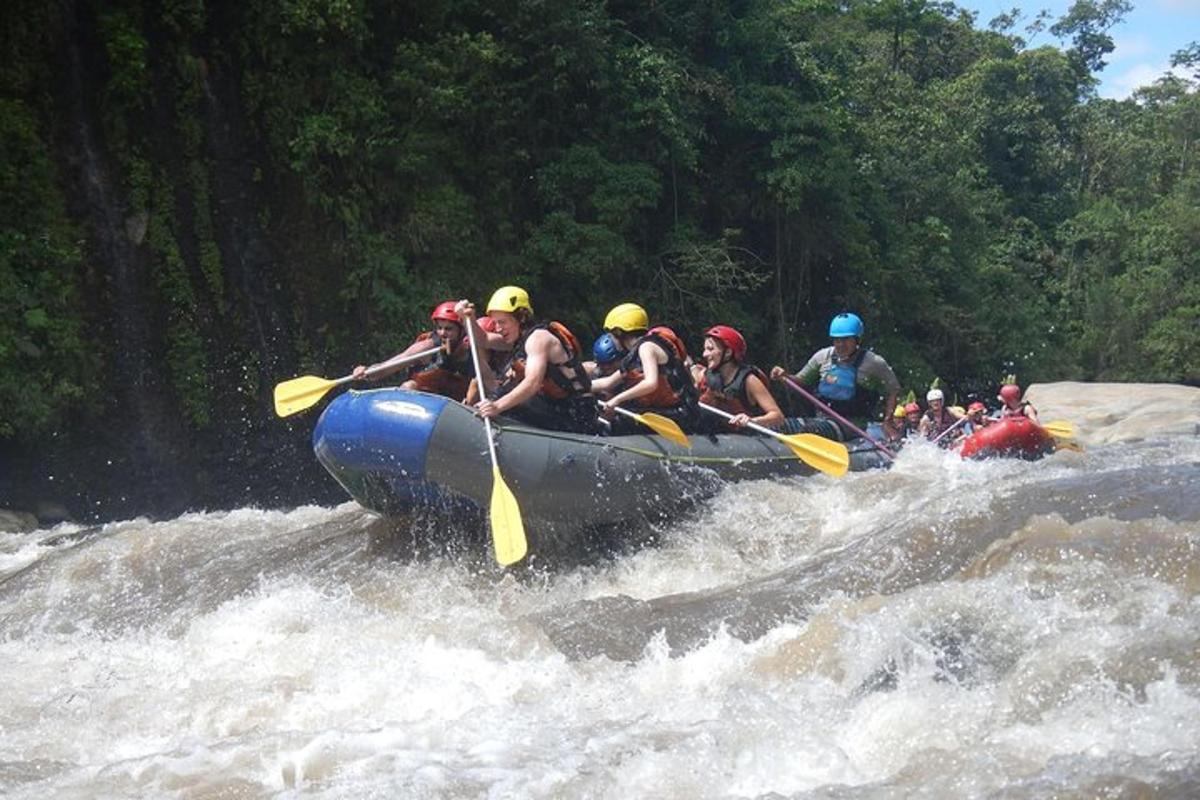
<point x="606" y="349"/>
<point x="846" y="324"/>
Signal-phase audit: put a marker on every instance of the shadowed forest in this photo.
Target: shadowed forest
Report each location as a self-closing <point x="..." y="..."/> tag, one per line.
<point x="198" y="201"/>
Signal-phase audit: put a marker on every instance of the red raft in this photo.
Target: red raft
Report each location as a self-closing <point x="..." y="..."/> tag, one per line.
<point x="1012" y="437"/>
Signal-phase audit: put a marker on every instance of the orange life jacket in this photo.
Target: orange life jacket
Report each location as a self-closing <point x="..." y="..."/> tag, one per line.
<point x="731" y="397"/>
<point x="562" y="380"/>
<point x="674" y="387"/>
<point x="447" y="374"/>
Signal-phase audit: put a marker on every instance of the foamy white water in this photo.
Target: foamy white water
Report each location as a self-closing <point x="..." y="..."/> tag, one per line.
<point x="943" y="629"/>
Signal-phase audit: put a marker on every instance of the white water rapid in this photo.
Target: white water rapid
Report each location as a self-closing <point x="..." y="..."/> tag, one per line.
<point x="942" y="629"/>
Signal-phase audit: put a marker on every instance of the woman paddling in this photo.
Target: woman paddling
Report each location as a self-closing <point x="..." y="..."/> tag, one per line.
<point x="727" y="382"/>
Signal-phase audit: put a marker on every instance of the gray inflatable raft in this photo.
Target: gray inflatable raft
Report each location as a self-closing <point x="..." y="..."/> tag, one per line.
<point x="398" y="451"/>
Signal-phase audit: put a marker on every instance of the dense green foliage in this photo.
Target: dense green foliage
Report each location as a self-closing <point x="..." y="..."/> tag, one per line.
<point x="348" y="163"/>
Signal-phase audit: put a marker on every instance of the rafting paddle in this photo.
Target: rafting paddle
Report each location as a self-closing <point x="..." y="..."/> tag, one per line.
<point x="508" y="531"/>
<point x="961" y="421"/>
<point x="800" y="390"/>
<point x="1060" y="429"/>
<point x="663" y="426"/>
<point x="300" y="394"/>
<point x="820" y="453"/>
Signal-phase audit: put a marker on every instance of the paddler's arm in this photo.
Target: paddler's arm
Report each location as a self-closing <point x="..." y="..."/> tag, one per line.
<point x="1031" y="412"/>
<point x="649" y="353"/>
<point x="808" y="376"/>
<point x="607" y="383"/>
<point x="537" y="361"/>
<point x="466" y="311"/>
<point x="488" y="341"/>
<point x="761" y="397"/>
<point x="472" y="393"/>
<point x="385" y="368"/>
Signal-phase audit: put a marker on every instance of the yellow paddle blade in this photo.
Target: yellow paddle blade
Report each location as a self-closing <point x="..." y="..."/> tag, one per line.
<point x="1060" y="428"/>
<point x="508" y="531"/>
<point x="819" y="453"/>
<point x="664" y="427"/>
<point x="300" y="393"/>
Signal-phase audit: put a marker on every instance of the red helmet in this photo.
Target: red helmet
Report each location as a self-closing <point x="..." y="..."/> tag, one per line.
<point x="730" y="339"/>
<point x="976" y="406"/>
<point x="445" y="312"/>
<point x="1010" y="393"/>
<point x="487" y="323"/>
<point x="912" y="408"/>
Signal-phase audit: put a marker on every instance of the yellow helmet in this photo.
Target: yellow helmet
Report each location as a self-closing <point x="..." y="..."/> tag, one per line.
<point x="509" y="298"/>
<point x="899" y="412"/>
<point x="628" y="317"/>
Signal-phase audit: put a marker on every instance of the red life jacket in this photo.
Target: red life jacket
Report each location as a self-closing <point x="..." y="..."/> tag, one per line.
<point x="675" y="387"/>
<point x="731" y="397"/>
<point x="562" y="380"/>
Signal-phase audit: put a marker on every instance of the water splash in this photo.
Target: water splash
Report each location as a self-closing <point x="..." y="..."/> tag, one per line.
<point x="942" y="629"/>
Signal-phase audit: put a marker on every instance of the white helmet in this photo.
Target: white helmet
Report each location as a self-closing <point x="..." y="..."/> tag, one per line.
<point x="934" y="394"/>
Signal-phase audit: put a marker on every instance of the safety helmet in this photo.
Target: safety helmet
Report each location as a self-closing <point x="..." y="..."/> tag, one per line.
<point x="1010" y="393"/>
<point x="959" y="410"/>
<point x="934" y="394"/>
<point x="912" y="408"/>
<point x="509" y="298"/>
<point x="846" y="324"/>
<point x="445" y="312"/>
<point x="606" y="349"/>
<point x="627" y="317"/>
<point x="899" y="412"/>
<point x="976" y="406"/>
<point x="730" y="339"/>
<point x="487" y="323"/>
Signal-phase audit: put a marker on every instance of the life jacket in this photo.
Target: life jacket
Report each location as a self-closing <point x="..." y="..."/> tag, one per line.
<point x="939" y="424"/>
<point x="1019" y="411"/>
<point x="731" y="397"/>
<point x="447" y="374"/>
<point x="840" y="383"/>
<point x="675" y="387"/>
<point x="562" y="380"/>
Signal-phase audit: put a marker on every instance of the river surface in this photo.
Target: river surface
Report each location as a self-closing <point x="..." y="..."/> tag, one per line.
<point x="942" y="629"/>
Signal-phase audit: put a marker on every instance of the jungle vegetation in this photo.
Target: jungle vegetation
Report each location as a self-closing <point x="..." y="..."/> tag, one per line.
<point x="199" y="200"/>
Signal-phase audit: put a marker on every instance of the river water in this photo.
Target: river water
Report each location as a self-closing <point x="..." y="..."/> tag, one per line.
<point x="942" y="629"/>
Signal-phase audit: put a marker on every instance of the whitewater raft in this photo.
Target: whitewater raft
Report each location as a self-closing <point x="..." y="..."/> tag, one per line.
<point x="1011" y="437"/>
<point x="397" y="451"/>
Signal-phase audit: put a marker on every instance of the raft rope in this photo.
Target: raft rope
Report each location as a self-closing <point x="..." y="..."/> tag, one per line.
<point x="659" y="455"/>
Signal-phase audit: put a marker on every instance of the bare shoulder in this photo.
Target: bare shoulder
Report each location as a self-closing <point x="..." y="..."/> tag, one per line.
<point x="653" y="350"/>
<point x="542" y="341"/>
